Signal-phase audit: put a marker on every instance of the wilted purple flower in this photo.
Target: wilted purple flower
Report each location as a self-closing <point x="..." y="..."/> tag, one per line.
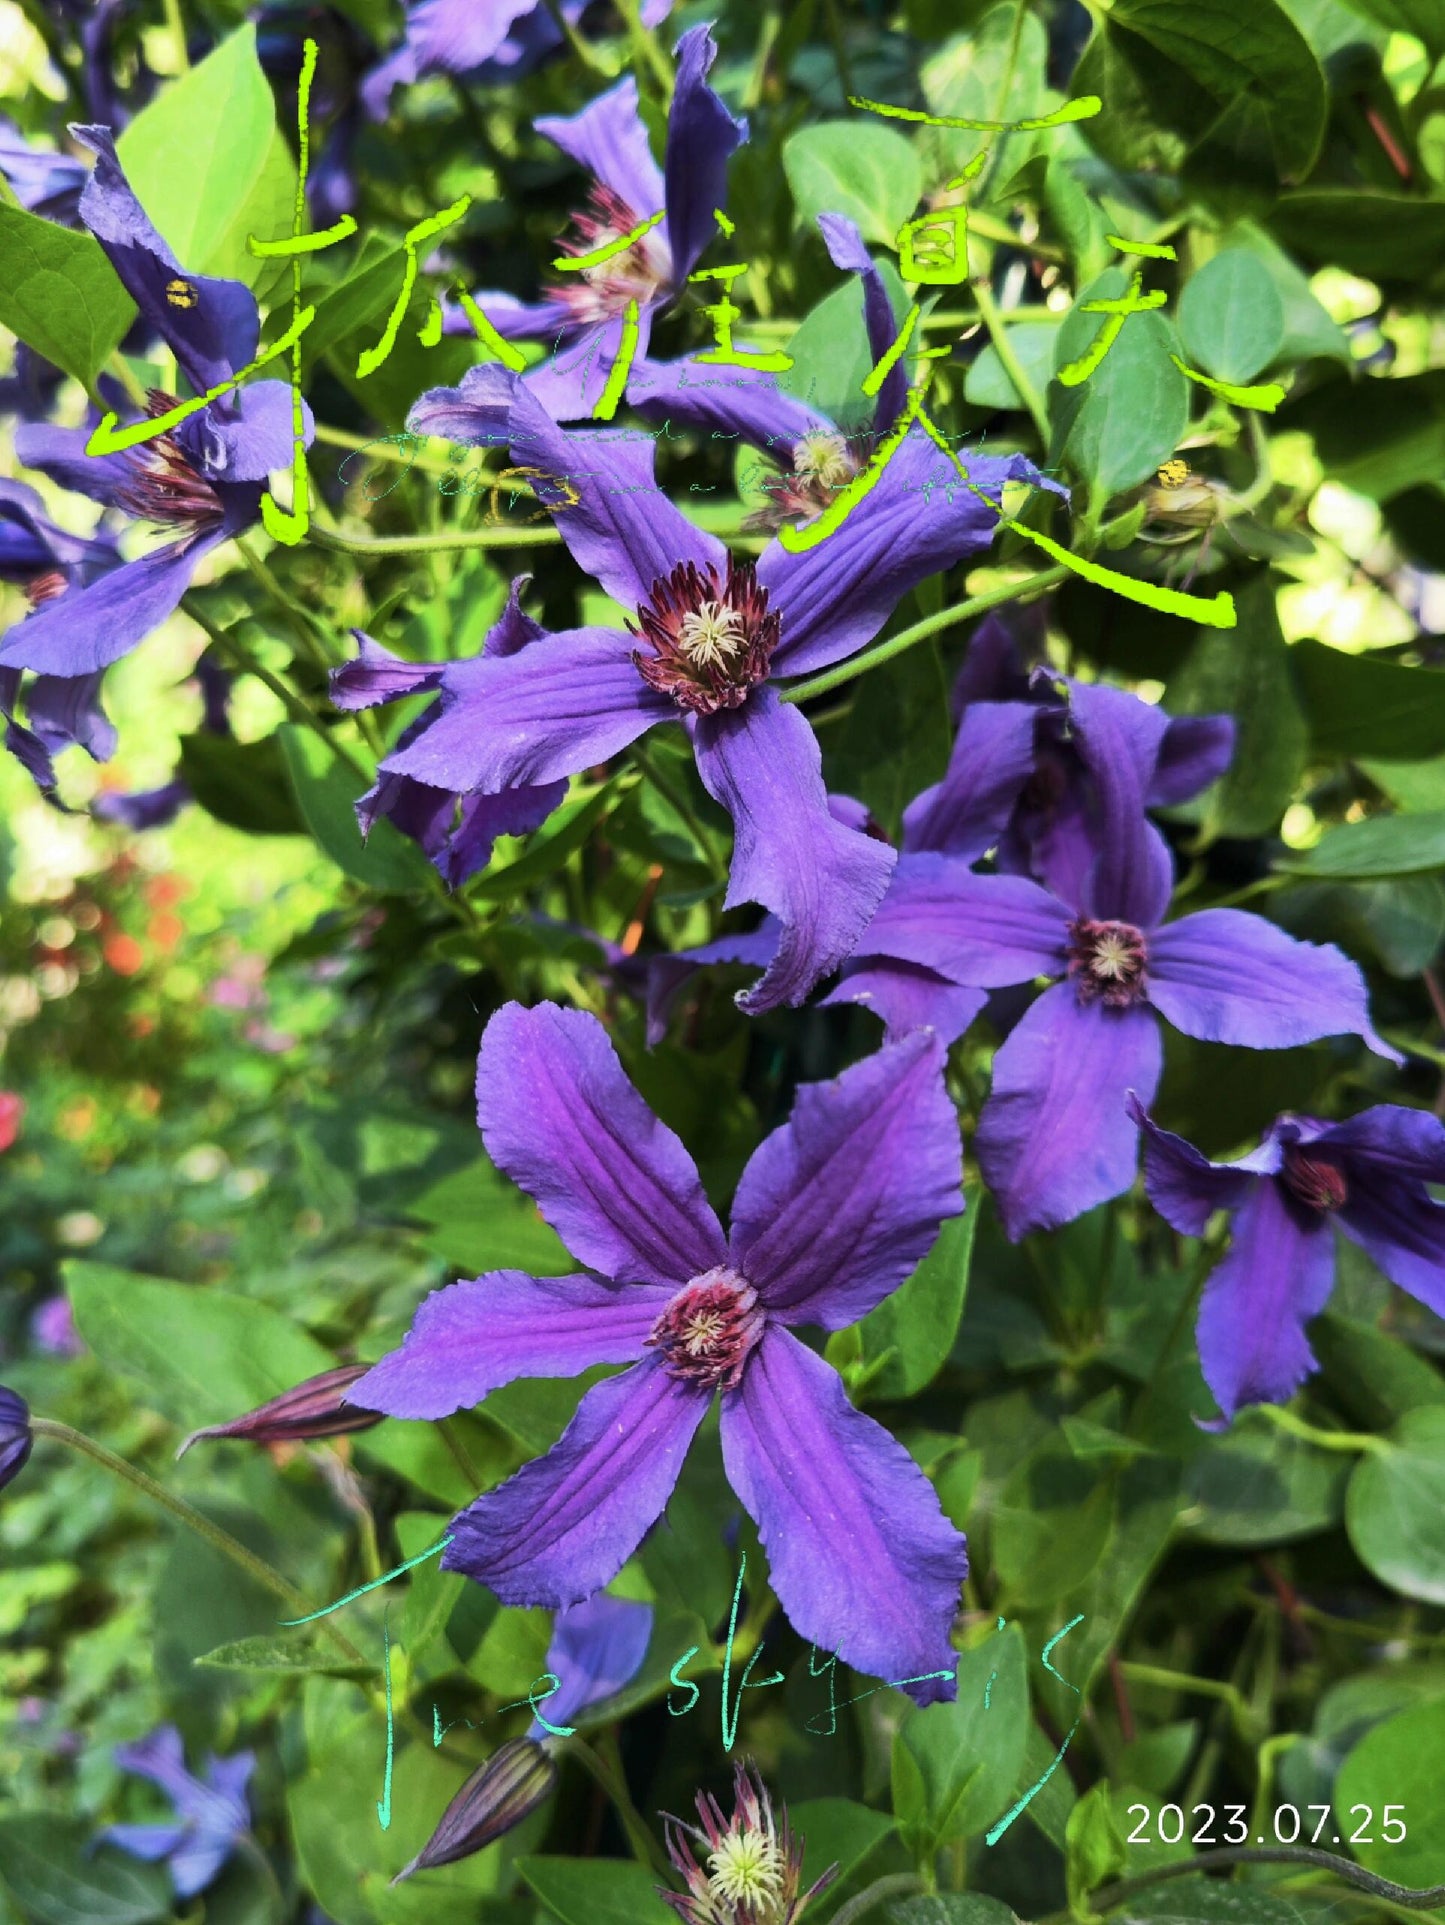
<point x="310" y="1409"/>
<point x="16" y="1437"/>
<point x="52" y="1326"/>
<point x="753" y="1865"/>
<point x="212" y="1815"/>
<point x="597" y="1647"/>
<point x="1055" y="1137"/>
<point x="833" y="1212"/>
<point x="203" y="478"/>
<point x="1366" y="1177"/>
<point x="715" y="632"/>
<point x="586" y="311"/>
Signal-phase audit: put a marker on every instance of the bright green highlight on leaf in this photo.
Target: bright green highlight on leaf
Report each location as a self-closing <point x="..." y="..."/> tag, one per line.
<point x="1084" y="108"/>
<point x="1266" y="399"/>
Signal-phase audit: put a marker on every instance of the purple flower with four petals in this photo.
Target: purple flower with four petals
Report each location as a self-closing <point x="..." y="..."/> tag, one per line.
<point x="1366" y="1177"/>
<point x="1054" y="1137"/>
<point x="833" y="1212"/>
<point x="212" y="1815"/>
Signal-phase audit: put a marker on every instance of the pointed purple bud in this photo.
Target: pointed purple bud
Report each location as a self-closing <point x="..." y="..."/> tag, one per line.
<point x="16" y="1436"/>
<point x="312" y="1409"/>
<point x="517" y="1778"/>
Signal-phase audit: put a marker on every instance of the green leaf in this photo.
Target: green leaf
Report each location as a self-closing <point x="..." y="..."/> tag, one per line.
<point x="1377" y="436"/>
<point x="1231" y="318"/>
<point x="1051" y="1524"/>
<point x="919" y="1321"/>
<point x="481" y="1221"/>
<point x="1207" y="1901"/>
<point x="60" y="294"/>
<point x="988" y="383"/>
<point x="905" y="700"/>
<point x="51" y="1867"/>
<point x="950" y="1908"/>
<point x="1095" y="1848"/>
<point x="837" y="1832"/>
<point x="1422" y="18"/>
<point x="326" y="791"/>
<point x="596" y="1891"/>
<point x="1400" y="922"/>
<point x="198" y="1355"/>
<point x="566" y="829"/>
<point x="857" y="168"/>
<point x="237" y="178"/>
<point x="1309" y="330"/>
<point x="1118" y="426"/>
<point x="1386" y="236"/>
<point x="1412" y="786"/>
<point x="1395" y="1507"/>
<point x="956" y="1766"/>
<point x="1245" y="672"/>
<point x="1257" y="1485"/>
<point x="1382" y="845"/>
<point x="1398" y="1763"/>
<point x="830" y="351"/>
<point x="286" y="1656"/>
<point x="1377" y="1377"/>
<point x="243" y="784"/>
<point x="1357" y="705"/>
<point x="996" y="71"/>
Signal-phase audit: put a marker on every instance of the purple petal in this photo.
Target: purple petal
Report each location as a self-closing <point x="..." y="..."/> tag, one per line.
<point x="213" y="336"/>
<point x="89" y="628"/>
<point x="479" y="411"/>
<point x="143" y="808"/>
<point x="984" y="931"/>
<point x="60" y="453"/>
<point x="245" y="436"/>
<point x="624" y="530"/>
<point x="482" y="818"/>
<point x="469" y="1339"/>
<point x="835" y="596"/>
<point x="907" y="996"/>
<point x="560" y="1117"/>
<point x="1196" y="750"/>
<point x="846" y="250"/>
<point x="731" y="402"/>
<point x="379" y="676"/>
<point x="145" y="1841"/>
<point x="1184" y="1186"/>
<point x="993" y="757"/>
<point x="1389" y="1140"/>
<point x="1117" y="737"/>
<point x="160" y="1756"/>
<point x="822" y="881"/>
<point x="667" y="974"/>
<point x="572" y="383"/>
<point x="1055" y="1137"/>
<point x="994" y="669"/>
<point x="1277" y="1275"/>
<point x="1225" y="976"/>
<point x="514" y="627"/>
<point x="840" y="1205"/>
<point x="597" y="1647"/>
<point x="1403" y="1228"/>
<point x="701" y="138"/>
<point x="514" y="320"/>
<point x="197" y="1863"/>
<point x="66" y="710"/>
<point x="228" y="1779"/>
<point x="610" y="141"/>
<point x="567" y="1523"/>
<point x="862" y="1558"/>
<point x="562" y="705"/>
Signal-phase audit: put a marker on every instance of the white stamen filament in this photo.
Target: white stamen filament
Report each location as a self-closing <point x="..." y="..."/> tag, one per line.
<point x="711" y="636"/>
<point x="1111" y="958"/>
<point x="747" y="1869"/>
<point x="702" y="1333"/>
<point x="824" y="457"/>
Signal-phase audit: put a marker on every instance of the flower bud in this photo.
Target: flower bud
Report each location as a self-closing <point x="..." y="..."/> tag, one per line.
<point x="312" y="1409"/>
<point x="16" y="1436"/>
<point x="752" y="1869"/>
<point x="517" y="1778"/>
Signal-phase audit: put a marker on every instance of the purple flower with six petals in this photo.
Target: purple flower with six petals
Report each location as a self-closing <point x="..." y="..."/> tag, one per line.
<point x="833" y="1212"/>
<point x="1367" y="1177"/>
<point x="212" y="1815"/>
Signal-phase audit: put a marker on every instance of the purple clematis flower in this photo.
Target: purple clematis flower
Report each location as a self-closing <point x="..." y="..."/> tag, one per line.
<point x="715" y="631"/>
<point x="211" y="1816"/>
<point x="597" y="1647"/>
<point x="1054" y="1137"/>
<point x="586" y="311"/>
<point x="1367" y="1177"/>
<point x="202" y="480"/>
<point x="833" y="1212"/>
<point x="60" y="710"/>
<point x="489" y="40"/>
<point x="819" y="457"/>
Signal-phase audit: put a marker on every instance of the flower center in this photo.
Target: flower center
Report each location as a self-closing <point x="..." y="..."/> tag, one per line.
<point x="747" y="1869"/>
<point x="1320" y="1186"/>
<point x="712" y="636"/>
<point x="706" y="1333"/>
<point x="164" y="486"/>
<point x="823" y="465"/>
<point x="637" y="273"/>
<point x="44" y="588"/>
<point x="1106" y="960"/>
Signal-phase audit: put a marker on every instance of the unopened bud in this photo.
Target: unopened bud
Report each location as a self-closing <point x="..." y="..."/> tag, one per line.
<point x="312" y="1409"/>
<point x="509" y="1787"/>
<point x="16" y="1436"/>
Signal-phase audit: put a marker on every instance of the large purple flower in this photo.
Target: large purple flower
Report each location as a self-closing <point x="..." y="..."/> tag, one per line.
<point x="711" y="632"/>
<point x="1367" y="1177"/>
<point x="1054" y="1137"/>
<point x="211" y="1815"/>
<point x="833" y="1212"/>
<point x="203" y="480"/>
<point x="585" y="311"/>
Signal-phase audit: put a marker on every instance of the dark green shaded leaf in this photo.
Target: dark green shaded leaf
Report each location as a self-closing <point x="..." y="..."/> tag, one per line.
<point x="1378" y="436"/>
<point x="1382" y="845"/>
<point x="1231" y="318"/>
<point x="857" y="168"/>
<point x="287" y="1656"/>
<point x="241" y="783"/>
<point x="1395" y="1507"/>
<point x="326" y="792"/>
<point x="1387" y="236"/>
<point x="1051" y="1525"/>
<point x="566" y="829"/>
<point x="956" y="1766"/>
<point x="918" y="1323"/>
<point x="481" y="1221"/>
<point x="1398" y="1764"/>
<point x="950" y="1908"/>
<point x="50" y="1867"/>
<point x="1256" y="1485"/>
<point x="1359" y="705"/>
<point x="596" y="1891"/>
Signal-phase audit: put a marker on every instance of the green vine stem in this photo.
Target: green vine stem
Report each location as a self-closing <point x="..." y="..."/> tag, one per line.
<point x="220" y="1540"/>
<point x="895" y="1885"/>
<point x="1008" y="355"/>
<point x="604" y="1767"/>
<point x="1302" y="1857"/>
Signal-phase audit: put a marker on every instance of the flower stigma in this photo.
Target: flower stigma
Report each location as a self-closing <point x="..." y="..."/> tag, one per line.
<point x="1106" y="961"/>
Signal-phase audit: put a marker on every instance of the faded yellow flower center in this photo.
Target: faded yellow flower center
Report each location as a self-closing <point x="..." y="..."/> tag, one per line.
<point x="747" y="1869"/>
<point x="711" y="636"/>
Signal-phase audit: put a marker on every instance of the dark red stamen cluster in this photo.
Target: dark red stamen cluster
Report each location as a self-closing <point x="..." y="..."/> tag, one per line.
<point x="44" y="588"/>
<point x="1107" y="961"/>
<point x="165" y="486"/>
<point x="636" y="274"/>
<point x="712" y="636"/>
<point x="707" y="1331"/>
<point x="1318" y="1185"/>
